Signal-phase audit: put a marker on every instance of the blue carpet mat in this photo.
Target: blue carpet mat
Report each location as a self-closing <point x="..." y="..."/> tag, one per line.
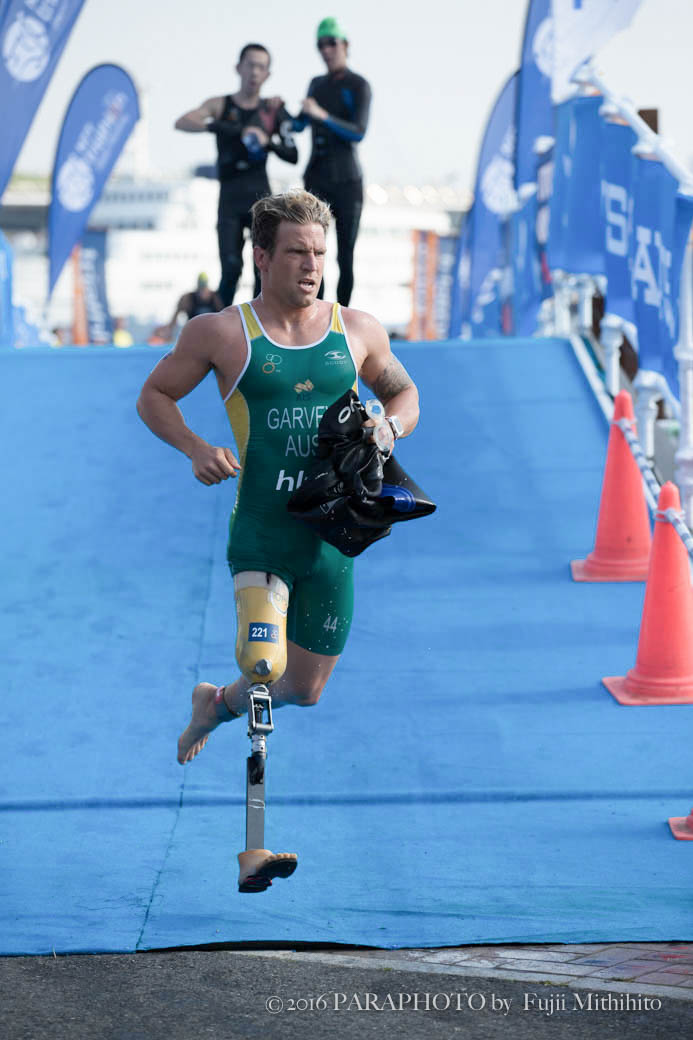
<point x="465" y="778"/>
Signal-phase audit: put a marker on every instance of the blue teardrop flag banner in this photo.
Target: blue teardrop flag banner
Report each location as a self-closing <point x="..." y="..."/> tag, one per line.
<point x="460" y="309"/>
<point x="494" y="201"/>
<point x="33" y="34"/>
<point x="534" y="120"/>
<point x="98" y="122"/>
<point x="92" y="262"/>
<point x="545" y="172"/>
<point x="534" y="110"/>
<point x="526" y="265"/>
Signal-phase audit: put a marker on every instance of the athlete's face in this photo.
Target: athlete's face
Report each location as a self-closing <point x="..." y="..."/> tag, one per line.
<point x="293" y="272"/>
<point x="253" y="70"/>
<point x="334" y="52"/>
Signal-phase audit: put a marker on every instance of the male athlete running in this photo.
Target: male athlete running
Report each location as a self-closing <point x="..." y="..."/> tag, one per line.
<point x="337" y="107"/>
<point x="279" y="363"/>
<point x="247" y="128"/>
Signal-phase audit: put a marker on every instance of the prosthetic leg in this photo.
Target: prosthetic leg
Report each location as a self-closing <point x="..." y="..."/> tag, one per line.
<point x="262" y="601"/>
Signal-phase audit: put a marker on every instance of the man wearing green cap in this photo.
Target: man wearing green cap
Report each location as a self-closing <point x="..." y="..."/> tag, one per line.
<point x="337" y="108"/>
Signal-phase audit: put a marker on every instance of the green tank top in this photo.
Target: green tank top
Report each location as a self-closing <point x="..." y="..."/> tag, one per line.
<point x="274" y="410"/>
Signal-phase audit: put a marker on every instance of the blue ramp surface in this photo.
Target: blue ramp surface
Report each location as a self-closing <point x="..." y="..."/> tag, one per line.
<point x="465" y="777"/>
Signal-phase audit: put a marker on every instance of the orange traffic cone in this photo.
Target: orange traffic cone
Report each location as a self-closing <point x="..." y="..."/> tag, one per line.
<point x="663" y="672"/>
<point x="622" y="546"/>
<point x="682" y="826"/>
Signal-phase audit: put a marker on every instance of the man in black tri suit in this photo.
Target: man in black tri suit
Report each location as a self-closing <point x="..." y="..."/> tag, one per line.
<point x="201" y="300"/>
<point x="247" y="129"/>
<point x="337" y="107"/>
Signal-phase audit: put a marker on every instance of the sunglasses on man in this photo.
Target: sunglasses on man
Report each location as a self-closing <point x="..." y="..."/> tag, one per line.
<point x="327" y="41"/>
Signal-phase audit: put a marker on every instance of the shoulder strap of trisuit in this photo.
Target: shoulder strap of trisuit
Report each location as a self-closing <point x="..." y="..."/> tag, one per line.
<point x="251" y="323"/>
<point x="337" y="324"/>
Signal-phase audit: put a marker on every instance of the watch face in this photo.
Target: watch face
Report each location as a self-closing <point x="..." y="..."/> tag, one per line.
<point x="381" y="437"/>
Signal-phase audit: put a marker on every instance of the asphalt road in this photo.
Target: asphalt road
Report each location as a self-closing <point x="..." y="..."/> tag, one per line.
<point x="193" y="994"/>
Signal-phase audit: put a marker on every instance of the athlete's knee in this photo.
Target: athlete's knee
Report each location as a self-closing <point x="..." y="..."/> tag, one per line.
<point x="301" y="687"/>
<point x="262" y="601"/>
<point x="307" y="693"/>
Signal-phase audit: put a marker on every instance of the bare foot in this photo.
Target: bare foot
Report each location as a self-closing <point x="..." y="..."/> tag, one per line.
<point x="204" y="720"/>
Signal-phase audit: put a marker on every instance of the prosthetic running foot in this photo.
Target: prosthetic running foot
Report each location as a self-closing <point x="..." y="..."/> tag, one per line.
<point x="261" y="605"/>
<point x="259" y="866"/>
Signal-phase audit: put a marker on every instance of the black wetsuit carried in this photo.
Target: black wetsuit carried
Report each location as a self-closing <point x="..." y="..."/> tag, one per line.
<point x="243" y="179"/>
<point x="333" y="172"/>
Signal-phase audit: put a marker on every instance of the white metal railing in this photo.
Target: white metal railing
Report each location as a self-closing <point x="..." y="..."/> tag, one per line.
<point x="652" y="488"/>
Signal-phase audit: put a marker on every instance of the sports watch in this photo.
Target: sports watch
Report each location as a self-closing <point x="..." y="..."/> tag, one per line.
<point x="395" y="425"/>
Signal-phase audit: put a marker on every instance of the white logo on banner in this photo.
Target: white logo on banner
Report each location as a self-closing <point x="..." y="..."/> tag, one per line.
<point x="617" y="205"/>
<point x="464" y="272"/>
<point x="26" y="49"/>
<point x="542" y="47"/>
<point x="657" y="286"/>
<point x="487" y="294"/>
<point x="497" y="188"/>
<point x="98" y="315"/>
<point x="521" y="248"/>
<point x="75" y="184"/>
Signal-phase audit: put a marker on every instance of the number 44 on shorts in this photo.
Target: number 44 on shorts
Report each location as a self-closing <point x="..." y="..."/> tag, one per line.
<point x="330" y="624"/>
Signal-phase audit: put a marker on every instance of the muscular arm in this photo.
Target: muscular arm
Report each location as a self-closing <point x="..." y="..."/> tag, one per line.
<point x="179" y="372"/>
<point x="381" y="371"/>
<point x="195" y="121"/>
<point x="395" y="389"/>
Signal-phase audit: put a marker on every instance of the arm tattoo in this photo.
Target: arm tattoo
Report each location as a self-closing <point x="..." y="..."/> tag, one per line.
<point x="391" y="381"/>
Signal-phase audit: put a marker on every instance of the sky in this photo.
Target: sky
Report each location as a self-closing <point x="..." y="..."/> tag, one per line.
<point x="434" y="73"/>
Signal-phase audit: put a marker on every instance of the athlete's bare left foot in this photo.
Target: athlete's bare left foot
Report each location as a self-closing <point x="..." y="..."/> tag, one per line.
<point x="205" y="718"/>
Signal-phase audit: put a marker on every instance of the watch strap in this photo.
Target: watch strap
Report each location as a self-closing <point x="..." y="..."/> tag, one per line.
<point x="395" y="425"/>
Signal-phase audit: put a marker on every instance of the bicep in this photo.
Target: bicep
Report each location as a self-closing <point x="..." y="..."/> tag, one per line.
<point x="179" y="371"/>
<point x="381" y="371"/>
<point x="386" y="376"/>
